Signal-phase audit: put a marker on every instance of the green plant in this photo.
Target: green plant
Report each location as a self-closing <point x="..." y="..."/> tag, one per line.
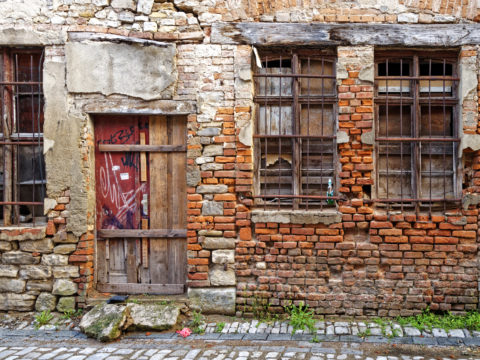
<point x="42" y="318"/>
<point x="220" y="327"/>
<point x="164" y="302"/>
<point x="71" y="314"/>
<point x="197" y="322"/>
<point x="301" y="317"/>
<point x="428" y="320"/>
<point x="366" y="332"/>
<point x="133" y="301"/>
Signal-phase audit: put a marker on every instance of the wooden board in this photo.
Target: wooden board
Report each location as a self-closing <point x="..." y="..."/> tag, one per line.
<point x="258" y="33"/>
<point x="146" y="148"/>
<point x="128" y="233"/>
<point x="159" y="200"/>
<point x="160" y="289"/>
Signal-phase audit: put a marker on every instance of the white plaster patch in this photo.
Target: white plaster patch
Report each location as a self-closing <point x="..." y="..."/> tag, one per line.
<point x="47" y="145"/>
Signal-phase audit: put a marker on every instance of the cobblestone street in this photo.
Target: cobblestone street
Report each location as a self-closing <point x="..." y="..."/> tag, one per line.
<point x="43" y="345"/>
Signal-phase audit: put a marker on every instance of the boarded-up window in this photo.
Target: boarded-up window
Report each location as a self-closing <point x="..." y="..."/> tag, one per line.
<point x="416" y="128"/>
<point x="295" y="96"/>
<point x="22" y="169"/>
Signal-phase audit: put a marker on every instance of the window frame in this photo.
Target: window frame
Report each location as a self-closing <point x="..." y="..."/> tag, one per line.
<point x="12" y="140"/>
<point x="416" y="101"/>
<point x="297" y="100"/>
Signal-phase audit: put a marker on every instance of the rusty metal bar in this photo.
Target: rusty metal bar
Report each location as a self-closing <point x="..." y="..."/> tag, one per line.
<point x="21" y="203"/>
<point x="417" y="78"/>
<point x="394" y="200"/>
<point x="320" y="197"/>
<point x="416" y="139"/>
<point x="296" y="76"/>
<point x="10" y="83"/>
<point x="294" y="136"/>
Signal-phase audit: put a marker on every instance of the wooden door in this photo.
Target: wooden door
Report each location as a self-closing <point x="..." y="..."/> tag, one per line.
<point x="140" y="164"/>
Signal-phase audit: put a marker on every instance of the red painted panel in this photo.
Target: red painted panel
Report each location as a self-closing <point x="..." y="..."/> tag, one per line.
<point x="118" y="187"/>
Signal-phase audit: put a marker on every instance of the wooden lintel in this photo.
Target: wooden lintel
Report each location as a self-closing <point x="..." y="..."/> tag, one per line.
<point x="133" y="288"/>
<point x="145" y="148"/>
<point x="141" y="233"/>
<point x="438" y="35"/>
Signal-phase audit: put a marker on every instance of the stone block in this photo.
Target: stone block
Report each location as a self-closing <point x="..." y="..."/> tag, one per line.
<point x="64" y="249"/>
<point x="220" y="277"/>
<point x="64" y="287"/>
<point x="213" y="300"/>
<point x="39" y="285"/>
<point x="63" y="237"/>
<point x="153" y="316"/>
<point x="65" y="272"/>
<point x="17" y="302"/>
<point x="145" y="6"/>
<point x="36" y="272"/>
<point x="146" y="72"/>
<point x="212" y="208"/>
<point x="212" y="243"/>
<point x="209" y="131"/>
<point x="123" y="4"/>
<point x="12" y="285"/>
<point x="212" y="189"/>
<point x="10" y="271"/>
<point x="104" y="322"/>
<point x="223" y="256"/>
<point x="5" y="246"/>
<point x="19" y="258"/>
<point x="55" y="259"/>
<point x="41" y="246"/>
<point x="45" y="302"/>
<point x="66" y="303"/>
<point x="193" y="175"/>
<point x="213" y="150"/>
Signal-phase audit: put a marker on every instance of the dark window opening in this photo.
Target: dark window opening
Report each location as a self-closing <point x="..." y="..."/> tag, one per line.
<point x="22" y="167"/>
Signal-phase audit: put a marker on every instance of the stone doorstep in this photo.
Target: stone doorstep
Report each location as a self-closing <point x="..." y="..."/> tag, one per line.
<point x="96" y="298"/>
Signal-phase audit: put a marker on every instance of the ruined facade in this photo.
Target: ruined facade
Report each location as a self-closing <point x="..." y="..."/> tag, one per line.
<point x="162" y="138"/>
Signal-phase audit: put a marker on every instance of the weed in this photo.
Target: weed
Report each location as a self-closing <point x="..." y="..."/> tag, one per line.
<point x="133" y="301"/>
<point x="315" y="339"/>
<point x="448" y="321"/>
<point x="220" y="327"/>
<point x="164" y="302"/>
<point x="197" y="322"/>
<point x="301" y="317"/>
<point x="366" y="332"/>
<point x="71" y="314"/>
<point x="43" y="319"/>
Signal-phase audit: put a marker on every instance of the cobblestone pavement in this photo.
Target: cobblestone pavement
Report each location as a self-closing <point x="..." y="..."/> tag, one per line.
<point x="16" y="345"/>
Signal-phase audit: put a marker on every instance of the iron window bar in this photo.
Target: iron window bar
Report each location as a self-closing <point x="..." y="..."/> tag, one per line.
<point x="295" y="91"/>
<point x="420" y="142"/>
<point x="21" y="135"/>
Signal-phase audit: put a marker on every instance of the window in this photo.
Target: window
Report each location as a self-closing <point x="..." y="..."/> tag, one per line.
<point x="295" y="97"/>
<point x="416" y="129"/>
<point x="22" y="169"/>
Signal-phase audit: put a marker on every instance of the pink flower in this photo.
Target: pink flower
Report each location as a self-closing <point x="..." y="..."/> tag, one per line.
<point x="184" y="332"/>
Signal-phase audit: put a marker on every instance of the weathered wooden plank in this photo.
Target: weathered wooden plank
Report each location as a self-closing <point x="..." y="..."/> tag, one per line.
<point x="158" y="200"/>
<point x="101" y="261"/>
<point x="159" y="289"/>
<point x="131" y="262"/>
<point x="136" y="233"/>
<point x="442" y="35"/>
<point x="117" y="264"/>
<point x="145" y="245"/>
<point x="91" y="36"/>
<point x="177" y="206"/>
<point x="143" y="160"/>
<point x="143" y="148"/>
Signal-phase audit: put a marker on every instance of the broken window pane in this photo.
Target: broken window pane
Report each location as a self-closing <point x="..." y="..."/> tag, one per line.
<point x="317" y="86"/>
<point x="399" y="121"/>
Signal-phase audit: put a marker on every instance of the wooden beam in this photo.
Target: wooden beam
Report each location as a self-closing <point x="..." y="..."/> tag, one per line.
<point x="143" y="148"/>
<point x="141" y="233"/>
<point x="132" y="288"/>
<point x="438" y="35"/>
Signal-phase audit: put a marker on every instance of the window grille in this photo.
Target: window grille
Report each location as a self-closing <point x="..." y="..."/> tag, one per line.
<point x="22" y="169"/>
<point x="295" y="97"/>
<point x="416" y="129"/>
